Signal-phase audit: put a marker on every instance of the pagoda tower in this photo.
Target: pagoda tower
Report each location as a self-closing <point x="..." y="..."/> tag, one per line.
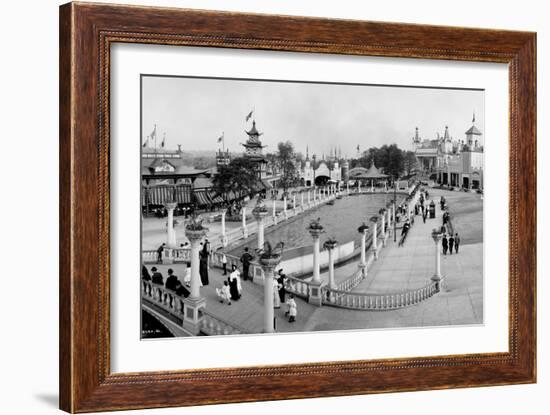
<point x="253" y="150"/>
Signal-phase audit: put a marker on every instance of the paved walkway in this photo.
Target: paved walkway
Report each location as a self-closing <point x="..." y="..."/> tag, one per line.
<point x="412" y="265"/>
<point x="460" y="301"/>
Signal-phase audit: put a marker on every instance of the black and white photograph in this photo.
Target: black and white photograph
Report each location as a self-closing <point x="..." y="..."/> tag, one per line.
<point x="272" y="206"/>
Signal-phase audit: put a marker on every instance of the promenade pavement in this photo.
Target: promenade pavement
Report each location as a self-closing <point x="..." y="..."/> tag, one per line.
<point x="398" y="268"/>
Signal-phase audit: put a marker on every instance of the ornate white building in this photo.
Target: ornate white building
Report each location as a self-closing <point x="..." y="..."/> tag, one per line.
<point x="454" y="162"/>
<point x="314" y="172"/>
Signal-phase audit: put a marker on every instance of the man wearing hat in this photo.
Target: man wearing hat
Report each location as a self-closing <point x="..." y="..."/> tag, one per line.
<point x="157" y="277"/>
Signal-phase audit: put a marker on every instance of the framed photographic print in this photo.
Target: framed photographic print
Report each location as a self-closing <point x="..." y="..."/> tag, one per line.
<point x="261" y="207"/>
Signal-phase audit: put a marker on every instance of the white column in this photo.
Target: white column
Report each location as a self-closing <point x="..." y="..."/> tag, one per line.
<point x="284" y="208"/>
<point x="224" y="234"/>
<point x="314" y="194"/>
<point x="170" y="231"/>
<point x="302" y="201"/>
<point x="294" y="202"/>
<point x="359" y="187"/>
<point x="260" y="222"/>
<point x="437" y="274"/>
<point x="347" y="188"/>
<point x="245" y="229"/>
<point x="364" y="248"/>
<point x="316" y="254"/>
<point x="274" y="214"/>
<point x="195" y="277"/>
<point x="331" y="282"/>
<point x="268" y="299"/>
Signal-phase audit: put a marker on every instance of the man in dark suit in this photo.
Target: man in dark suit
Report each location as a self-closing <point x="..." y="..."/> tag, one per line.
<point x="157" y="277"/>
<point x="160" y="250"/>
<point x="172" y="280"/>
<point x="445" y="244"/>
<point x="245" y="259"/>
<point x="457" y="242"/>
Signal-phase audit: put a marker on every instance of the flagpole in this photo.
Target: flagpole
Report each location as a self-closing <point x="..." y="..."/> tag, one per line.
<point x="223" y="142"/>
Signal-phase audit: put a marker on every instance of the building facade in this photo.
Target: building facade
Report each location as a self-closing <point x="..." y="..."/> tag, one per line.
<point x="452" y="162"/>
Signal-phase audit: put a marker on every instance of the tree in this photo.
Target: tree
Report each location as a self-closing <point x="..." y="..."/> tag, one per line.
<point x="410" y="163"/>
<point x="286" y="160"/>
<point x="238" y="176"/>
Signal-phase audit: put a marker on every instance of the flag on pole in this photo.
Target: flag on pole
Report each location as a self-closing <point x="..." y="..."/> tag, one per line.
<point x="358" y="148"/>
<point x="163" y="140"/>
<point x="146" y="142"/>
<point x="249" y="115"/>
<point x="220" y="138"/>
<point x="154" y="133"/>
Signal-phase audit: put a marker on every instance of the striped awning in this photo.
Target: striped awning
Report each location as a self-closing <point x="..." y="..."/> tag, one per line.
<point x="183" y="194"/>
<point x="216" y="199"/>
<point x="159" y="195"/>
<point x="201" y="196"/>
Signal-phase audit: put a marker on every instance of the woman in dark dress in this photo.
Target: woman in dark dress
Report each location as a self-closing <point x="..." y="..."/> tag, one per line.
<point x="233" y="289"/>
<point x="203" y="265"/>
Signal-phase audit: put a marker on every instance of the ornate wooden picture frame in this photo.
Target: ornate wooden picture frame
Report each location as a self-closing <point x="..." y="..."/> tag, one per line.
<point x="87" y="32"/>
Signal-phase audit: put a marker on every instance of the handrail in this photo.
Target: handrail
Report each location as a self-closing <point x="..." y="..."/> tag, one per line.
<point x="378" y="302"/>
<point x="173" y="304"/>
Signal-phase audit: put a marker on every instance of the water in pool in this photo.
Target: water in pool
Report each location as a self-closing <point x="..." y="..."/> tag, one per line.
<point x="339" y="220"/>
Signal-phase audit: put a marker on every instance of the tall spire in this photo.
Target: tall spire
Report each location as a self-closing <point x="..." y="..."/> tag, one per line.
<point x="474" y="118"/>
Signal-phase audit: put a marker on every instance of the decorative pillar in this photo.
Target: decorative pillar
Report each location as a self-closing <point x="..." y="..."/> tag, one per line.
<point x="315" y="296"/>
<point x="347" y="188"/>
<point x="194" y="304"/>
<point x="269" y="261"/>
<point x="294" y="202"/>
<point x="245" y="229"/>
<point x="363" y="229"/>
<point x="284" y="208"/>
<point x="308" y="199"/>
<point x="329" y="245"/>
<point x="260" y="212"/>
<point x="224" y="233"/>
<point x="374" y="221"/>
<point x="302" y="201"/>
<point x="314" y="195"/>
<point x="170" y="231"/>
<point x="274" y="214"/>
<point x="437" y="236"/>
<point x="359" y="186"/>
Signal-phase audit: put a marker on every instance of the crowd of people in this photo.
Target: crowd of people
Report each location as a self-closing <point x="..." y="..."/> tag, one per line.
<point x="231" y="289"/>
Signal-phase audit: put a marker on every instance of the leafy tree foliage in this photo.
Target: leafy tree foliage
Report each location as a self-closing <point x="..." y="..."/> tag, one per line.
<point x="238" y="176"/>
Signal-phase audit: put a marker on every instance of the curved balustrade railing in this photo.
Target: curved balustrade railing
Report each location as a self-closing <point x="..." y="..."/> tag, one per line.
<point x="213" y="325"/>
<point x="173" y="304"/>
<point x="378" y="302"/>
<point x="150" y="256"/>
<point x="353" y="281"/>
<point x="166" y="299"/>
<point x="297" y="287"/>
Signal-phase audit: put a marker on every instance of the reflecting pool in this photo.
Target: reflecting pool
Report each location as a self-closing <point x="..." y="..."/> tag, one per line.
<point x="339" y="220"/>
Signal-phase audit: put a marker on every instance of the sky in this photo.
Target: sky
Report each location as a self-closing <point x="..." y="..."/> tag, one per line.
<point x="194" y="112"/>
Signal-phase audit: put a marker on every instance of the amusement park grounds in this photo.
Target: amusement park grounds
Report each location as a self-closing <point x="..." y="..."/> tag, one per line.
<point x="397" y="269"/>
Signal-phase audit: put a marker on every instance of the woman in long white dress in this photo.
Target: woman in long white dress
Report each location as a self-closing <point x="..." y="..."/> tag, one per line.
<point x="276" y="298"/>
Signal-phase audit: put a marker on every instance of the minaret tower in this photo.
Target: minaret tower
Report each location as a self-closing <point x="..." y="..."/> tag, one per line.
<point x="473" y="135"/>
